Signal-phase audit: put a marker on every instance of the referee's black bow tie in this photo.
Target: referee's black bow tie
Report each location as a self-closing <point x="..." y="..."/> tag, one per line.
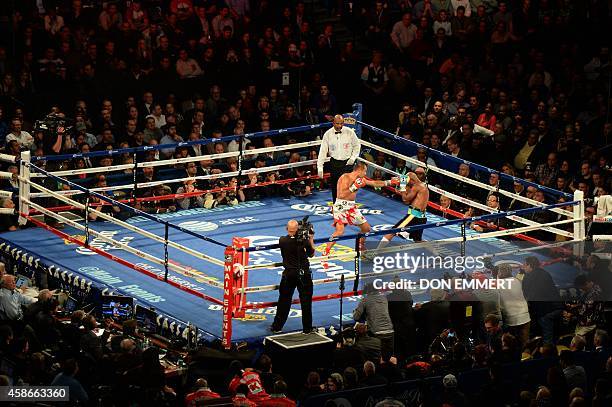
<point x="338" y="132"/>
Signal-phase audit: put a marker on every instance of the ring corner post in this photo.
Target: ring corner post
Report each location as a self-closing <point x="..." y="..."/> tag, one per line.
<point x="228" y="297"/>
<point x="240" y="275"/>
<point x="24" y="187"/>
<point x="234" y="282"/>
<point x="579" y="226"/>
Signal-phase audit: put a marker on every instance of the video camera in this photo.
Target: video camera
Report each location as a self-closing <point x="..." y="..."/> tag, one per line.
<point x="52" y="124"/>
<point x="305" y="229"/>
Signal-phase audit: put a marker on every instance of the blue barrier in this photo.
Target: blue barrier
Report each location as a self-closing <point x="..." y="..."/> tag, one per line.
<point x="356" y="115"/>
<point x="450" y="222"/>
<point x="127" y="207"/>
<point x="431" y="151"/>
<point x="132" y="150"/>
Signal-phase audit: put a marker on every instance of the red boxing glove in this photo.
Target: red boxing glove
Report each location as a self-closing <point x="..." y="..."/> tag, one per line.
<point x="359" y="183"/>
<point x="393" y="182"/>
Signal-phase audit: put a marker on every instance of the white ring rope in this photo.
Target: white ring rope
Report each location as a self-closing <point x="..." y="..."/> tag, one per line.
<point x="140" y="185"/>
<point x="482" y="206"/>
<point x="174" y="161"/>
<point x="142" y="164"/>
<point x="413" y="246"/>
<point x="315" y="260"/>
<point x="194" y="178"/>
<point x="530" y="249"/>
<point x="126" y="225"/>
<point x="121" y="245"/>
<point x="462" y="178"/>
<point x="61" y="195"/>
<point x="8" y="158"/>
<point x="532" y="225"/>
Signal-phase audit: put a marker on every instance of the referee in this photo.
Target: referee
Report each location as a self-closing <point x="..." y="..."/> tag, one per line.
<point x="343" y="146"/>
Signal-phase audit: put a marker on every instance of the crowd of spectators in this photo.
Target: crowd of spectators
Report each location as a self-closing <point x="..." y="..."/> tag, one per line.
<point x="469" y="77"/>
<point x="398" y="342"/>
<point x="521" y="87"/>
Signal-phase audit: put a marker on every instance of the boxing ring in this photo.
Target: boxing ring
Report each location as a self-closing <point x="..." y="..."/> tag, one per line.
<point x="218" y="268"/>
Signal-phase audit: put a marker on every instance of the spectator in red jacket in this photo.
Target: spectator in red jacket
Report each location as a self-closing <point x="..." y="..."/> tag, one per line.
<point x="248" y="377"/>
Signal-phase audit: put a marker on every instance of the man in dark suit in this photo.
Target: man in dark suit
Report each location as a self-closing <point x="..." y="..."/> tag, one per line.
<point x="402" y="316"/>
<point x="71" y="333"/>
<point x="90" y="342"/>
<point x="432" y="317"/>
<point x="543" y="296"/>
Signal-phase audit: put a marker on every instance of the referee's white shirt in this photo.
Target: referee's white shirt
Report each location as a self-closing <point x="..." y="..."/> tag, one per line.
<point x="343" y="146"/>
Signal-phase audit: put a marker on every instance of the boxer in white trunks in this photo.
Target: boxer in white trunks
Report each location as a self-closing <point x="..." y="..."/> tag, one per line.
<point x="345" y="209"/>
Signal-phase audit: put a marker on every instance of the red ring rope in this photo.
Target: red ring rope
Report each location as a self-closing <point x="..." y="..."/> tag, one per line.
<point x="186" y="194"/>
<point x="121" y="261"/>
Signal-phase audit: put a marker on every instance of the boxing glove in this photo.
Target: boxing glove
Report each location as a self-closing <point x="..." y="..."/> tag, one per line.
<point x="403" y="183"/>
<point x="395" y="181"/>
<point x="359" y="183"/>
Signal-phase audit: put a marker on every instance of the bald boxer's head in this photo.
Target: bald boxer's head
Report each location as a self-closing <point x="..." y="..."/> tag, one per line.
<point x="292" y="227"/>
<point x="413" y="179"/>
<point x="420" y="173"/>
<point x="338" y="122"/>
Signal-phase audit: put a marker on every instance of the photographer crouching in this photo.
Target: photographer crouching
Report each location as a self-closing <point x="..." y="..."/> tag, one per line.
<point x="296" y="247"/>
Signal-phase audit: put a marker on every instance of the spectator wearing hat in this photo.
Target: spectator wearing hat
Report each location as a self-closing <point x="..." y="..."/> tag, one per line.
<point x="81" y="128"/>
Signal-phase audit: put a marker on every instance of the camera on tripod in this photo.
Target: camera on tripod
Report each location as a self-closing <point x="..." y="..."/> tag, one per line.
<point x="305" y="229"/>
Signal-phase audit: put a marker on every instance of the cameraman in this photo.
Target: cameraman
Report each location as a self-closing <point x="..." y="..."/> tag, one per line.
<point x="295" y="253"/>
<point x="54" y="130"/>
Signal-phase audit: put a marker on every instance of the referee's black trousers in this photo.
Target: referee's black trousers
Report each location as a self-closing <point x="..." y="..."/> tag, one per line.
<point x="336" y="169"/>
<point x="289" y="282"/>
